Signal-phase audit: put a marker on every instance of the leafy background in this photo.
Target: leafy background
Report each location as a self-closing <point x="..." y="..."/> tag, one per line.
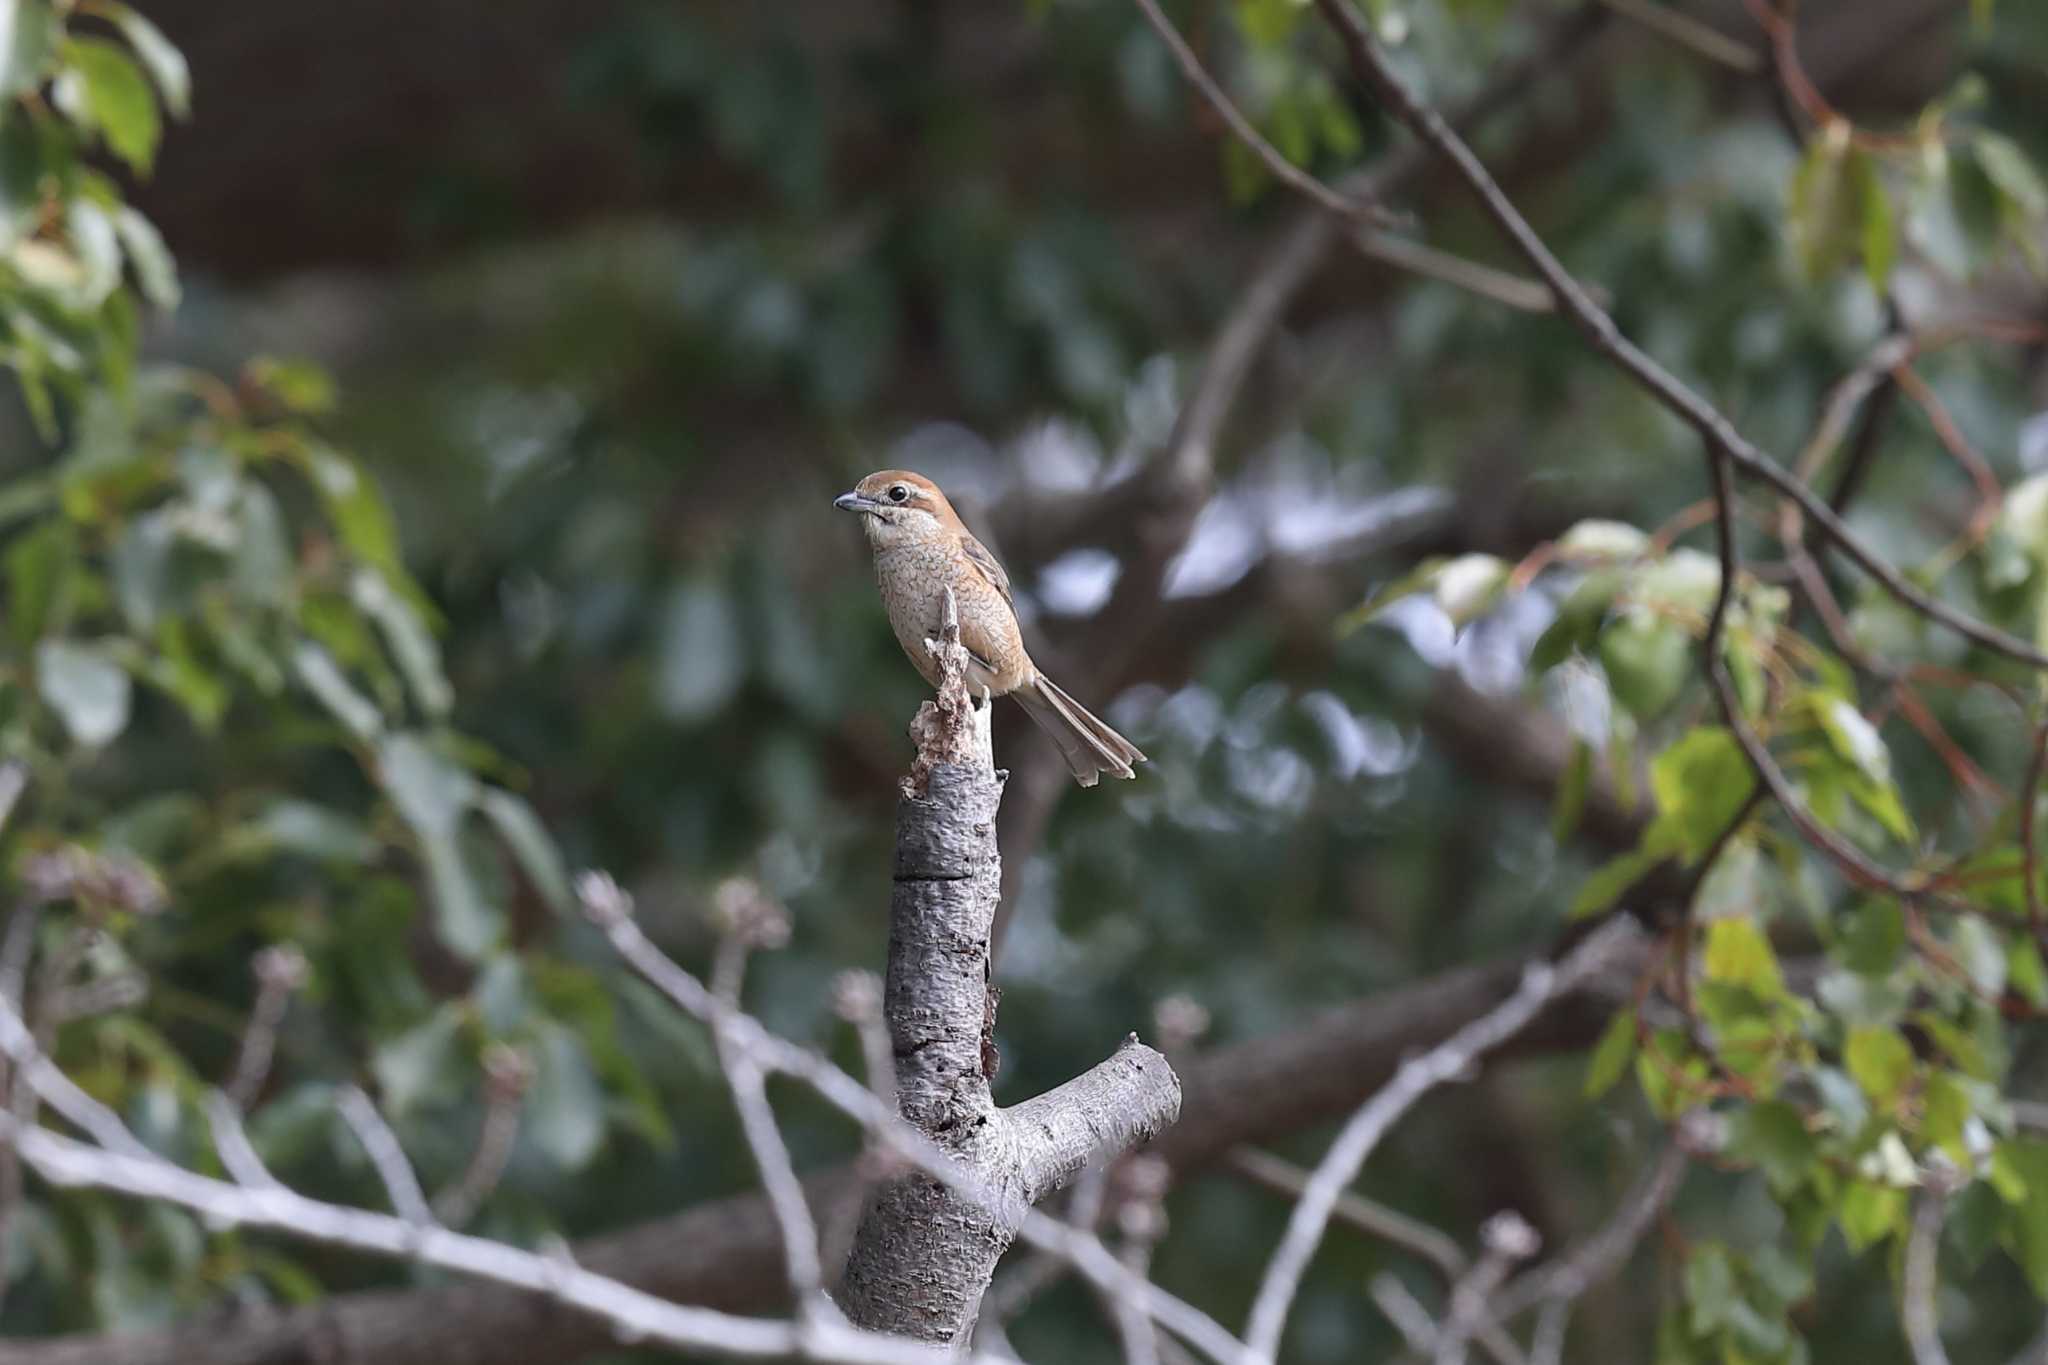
<point x="455" y="511"/>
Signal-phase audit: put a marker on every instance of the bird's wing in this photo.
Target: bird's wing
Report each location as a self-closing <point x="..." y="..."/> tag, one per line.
<point x="985" y="564"/>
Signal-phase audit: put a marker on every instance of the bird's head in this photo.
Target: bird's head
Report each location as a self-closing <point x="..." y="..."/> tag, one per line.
<point x="897" y="507"/>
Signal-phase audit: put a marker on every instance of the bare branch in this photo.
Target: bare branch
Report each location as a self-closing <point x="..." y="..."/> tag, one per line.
<point x="381" y="1145"/>
<point x="1917" y="1307"/>
<point x="1546" y="1347"/>
<point x="1690" y="34"/>
<point x="102" y="1124"/>
<point x="231" y="1144"/>
<point x="1141" y="1183"/>
<point x="507" y="1073"/>
<point x="1595" y="1260"/>
<point x="1505" y="1239"/>
<point x="634" y="1315"/>
<point x="1418" y="258"/>
<point x="1541" y="983"/>
<point x="1355" y="1210"/>
<point x="1405" y="1311"/>
<point x="280" y="970"/>
<point x="610" y="908"/>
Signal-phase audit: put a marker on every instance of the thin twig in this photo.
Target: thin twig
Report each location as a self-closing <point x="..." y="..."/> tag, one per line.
<point x="1417" y="258"/>
<point x="231" y="1143"/>
<point x="280" y="970"/>
<point x="507" y="1073"/>
<point x="56" y="1089"/>
<point x="1541" y="983"/>
<point x="778" y="1176"/>
<point x="1546" y="1345"/>
<point x="1283" y="170"/>
<point x="1505" y="1239"/>
<point x="387" y="1156"/>
<point x="1355" y="1210"/>
<point x="1142" y="1182"/>
<point x="1689" y="33"/>
<point x="1595" y="1260"/>
<point x="1405" y="1311"/>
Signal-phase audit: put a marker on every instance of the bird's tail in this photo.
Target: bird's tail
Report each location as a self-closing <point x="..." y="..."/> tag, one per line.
<point x="1090" y="747"/>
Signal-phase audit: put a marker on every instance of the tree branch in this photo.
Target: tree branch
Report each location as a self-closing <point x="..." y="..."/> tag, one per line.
<point x="1541" y="983"/>
<point x="726" y="1253"/>
<point x="1370" y="66"/>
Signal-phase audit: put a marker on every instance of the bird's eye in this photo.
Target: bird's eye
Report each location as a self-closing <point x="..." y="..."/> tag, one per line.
<point x="897" y="493"/>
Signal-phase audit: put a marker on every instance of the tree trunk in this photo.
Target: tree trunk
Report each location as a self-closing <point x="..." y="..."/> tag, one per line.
<point x="923" y="1255"/>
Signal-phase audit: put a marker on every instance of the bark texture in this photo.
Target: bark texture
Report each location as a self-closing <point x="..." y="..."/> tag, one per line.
<point x="922" y="1256"/>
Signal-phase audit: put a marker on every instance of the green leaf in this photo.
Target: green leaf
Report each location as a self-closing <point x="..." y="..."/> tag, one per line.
<point x="100" y="88"/>
<point x="2012" y="172"/>
<point x="1944" y="1109"/>
<point x="2024" y="970"/>
<point x="1672" y="1077"/>
<point x="1595" y="541"/>
<point x="411" y="644"/>
<point x="178" y="670"/>
<point x="1570" y="803"/>
<point x="1701" y="782"/>
<point x="1869" y="1213"/>
<point x="421" y="1063"/>
<point x="2026" y="1164"/>
<point x="1853" y="737"/>
<point x="98" y="245"/>
<point x="1825" y="217"/>
<point x="1609" y="880"/>
<point x="1468" y="586"/>
<point x="530" y="843"/>
<point x="1578" y="619"/>
<point x="1647" y="659"/>
<point x="1981" y="952"/>
<point x="1873" y="939"/>
<point x="1421" y="578"/>
<point x="1879" y="238"/>
<point x="86" y="688"/>
<point x="302" y="387"/>
<point x="42" y="571"/>
<point x="312" y="830"/>
<point x="1774" y="1136"/>
<point x="165" y="63"/>
<point x="323" y="677"/>
<point x="1611" y="1056"/>
<point x="1711" y="1292"/>
<point x="155" y="271"/>
<point x="564" y="1112"/>
<point x="1881" y="1061"/>
<point x="433" y="794"/>
<point x="26" y="45"/>
<point x="1739" y="955"/>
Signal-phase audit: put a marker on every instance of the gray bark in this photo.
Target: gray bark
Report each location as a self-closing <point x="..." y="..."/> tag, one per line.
<point x="923" y="1254"/>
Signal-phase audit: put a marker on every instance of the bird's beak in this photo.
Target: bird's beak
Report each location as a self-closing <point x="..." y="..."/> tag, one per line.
<point x="853" y="502"/>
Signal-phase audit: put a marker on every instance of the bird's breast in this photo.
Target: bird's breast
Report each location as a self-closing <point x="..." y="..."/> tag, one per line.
<point x="913" y="580"/>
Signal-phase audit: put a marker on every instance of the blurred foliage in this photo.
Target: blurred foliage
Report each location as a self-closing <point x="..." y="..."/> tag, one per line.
<point x="584" y="589"/>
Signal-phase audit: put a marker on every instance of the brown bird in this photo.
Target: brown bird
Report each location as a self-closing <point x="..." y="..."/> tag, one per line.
<point x="921" y="549"/>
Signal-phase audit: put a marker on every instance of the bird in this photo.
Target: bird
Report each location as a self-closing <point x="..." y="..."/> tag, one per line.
<point x="921" y="548"/>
